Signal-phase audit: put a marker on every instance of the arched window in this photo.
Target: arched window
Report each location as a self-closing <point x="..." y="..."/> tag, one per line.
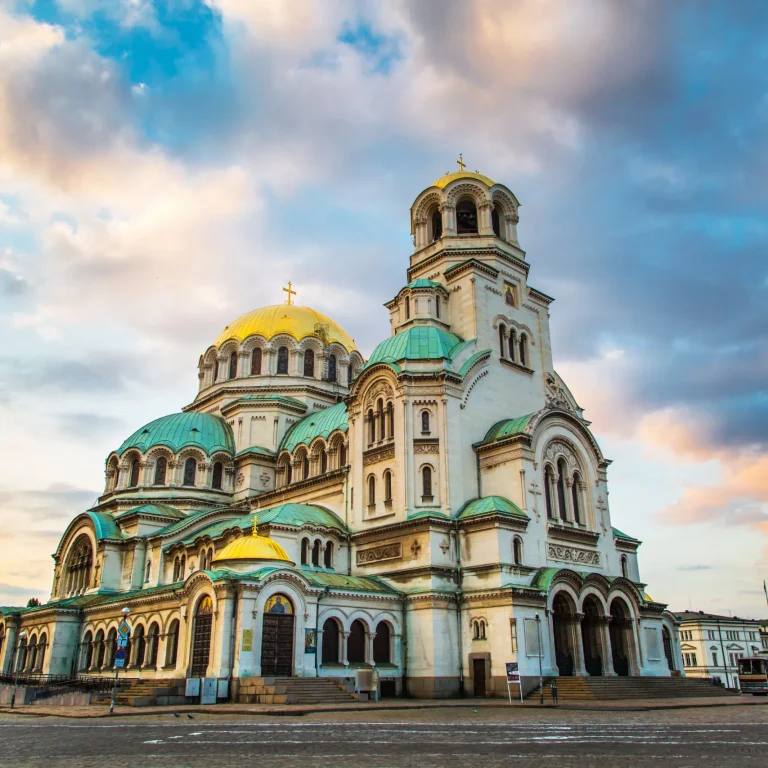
<point x="216" y="369"/>
<point x="328" y="555"/>
<point x="390" y="420"/>
<point x="381" y="644"/>
<point x="350" y="373"/>
<point x="111" y="647"/>
<point x="309" y="363"/>
<point x="426" y="483"/>
<point x="436" y="221"/>
<point x="330" y="642"/>
<point x="154" y="641"/>
<point x="512" y="343"/>
<point x="466" y="217"/>
<point x="183" y="567"/>
<point x="233" y="365"/>
<point x="380" y="418"/>
<point x="78" y="567"/>
<point x="437" y="307"/>
<point x="342" y="455"/>
<point x="502" y="334"/>
<point x="148" y="570"/>
<point x="134" y="477"/>
<point x="478" y="629"/>
<point x="316" y="553"/>
<point x="282" y="360"/>
<point x="161" y="470"/>
<point x="41" y="646"/>
<point x="172" y="644"/>
<point x="371" y="427"/>
<point x="425" y="422"/>
<point x="562" y="470"/>
<point x="371" y="491"/>
<point x="305" y="467"/>
<point x="624" y="567"/>
<point x="523" y="350"/>
<point x="356" y="643"/>
<point x="115" y="476"/>
<point x="517" y="551"/>
<point x="332" y="368"/>
<point x="549" y="482"/>
<point x="305" y="551"/>
<point x="218" y="473"/>
<point x="256" y="362"/>
<point x="323" y="461"/>
<point x="21" y="658"/>
<point x="86" y="656"/>
<point x="190" y="469"/>
<point x="140" y="640"/>
<point x="387" y="486"/>
<point x="575" y="493"/>
<point x="407" y="308"/>
<point x="496" y="221"/>
<point x="32" y="653"/>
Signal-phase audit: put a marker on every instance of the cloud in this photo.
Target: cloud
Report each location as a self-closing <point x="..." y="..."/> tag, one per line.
<point x="695" y="568"/>
<point x="13" y="590"/>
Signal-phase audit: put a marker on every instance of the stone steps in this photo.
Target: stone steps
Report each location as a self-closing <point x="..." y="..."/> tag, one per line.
<point x="623" y="688"/>
<point x="292" y="690"/>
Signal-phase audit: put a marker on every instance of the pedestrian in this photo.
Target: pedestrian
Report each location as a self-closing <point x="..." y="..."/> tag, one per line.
<point x="553" y="691"/>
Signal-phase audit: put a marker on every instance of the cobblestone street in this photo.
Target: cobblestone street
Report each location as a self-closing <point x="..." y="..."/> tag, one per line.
<point x="731" y="736"/>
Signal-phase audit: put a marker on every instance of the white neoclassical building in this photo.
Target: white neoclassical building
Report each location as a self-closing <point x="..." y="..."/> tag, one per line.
<point x="312" y="512"/>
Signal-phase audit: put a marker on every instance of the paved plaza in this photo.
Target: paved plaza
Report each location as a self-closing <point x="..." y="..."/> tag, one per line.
<point x="445" y="736"/>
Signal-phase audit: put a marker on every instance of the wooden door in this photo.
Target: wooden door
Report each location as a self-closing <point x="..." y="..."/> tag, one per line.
<point x="277" y="645"/>
<point x="478" y="676"/>
<point x="201" y="645"/>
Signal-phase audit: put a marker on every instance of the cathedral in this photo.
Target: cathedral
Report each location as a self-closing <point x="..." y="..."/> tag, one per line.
<point x="433" y="512"/>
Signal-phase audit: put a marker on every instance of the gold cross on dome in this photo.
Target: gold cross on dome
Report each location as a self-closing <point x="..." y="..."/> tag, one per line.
<point x="290" y="293"/>
<point x="460" y="162"/>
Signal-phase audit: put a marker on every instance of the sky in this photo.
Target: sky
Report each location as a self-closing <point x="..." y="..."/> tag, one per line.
<point x="167" y="166"/>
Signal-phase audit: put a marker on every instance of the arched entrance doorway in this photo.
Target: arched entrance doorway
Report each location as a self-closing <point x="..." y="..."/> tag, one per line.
<point x="563" y="616"/>
<point x="201" y="637"/>
<point x="330" y="642"/>
<point x="277" y="637"/>
<point x="621" y="626"/>
<point x="666" y="639"/>
<point x="356" y="643"/>
<point x="591" y="638"/>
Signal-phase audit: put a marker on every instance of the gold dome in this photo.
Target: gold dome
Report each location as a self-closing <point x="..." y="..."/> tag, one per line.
<point x="253" y="547"/>
<point x="444" y="181"/>
<point x="292" y="319"/>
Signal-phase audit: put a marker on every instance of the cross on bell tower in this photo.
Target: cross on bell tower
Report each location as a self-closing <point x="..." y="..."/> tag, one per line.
<point x="460" y="162"/>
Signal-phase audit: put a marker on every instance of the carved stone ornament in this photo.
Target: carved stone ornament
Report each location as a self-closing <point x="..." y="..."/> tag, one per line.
<point x="555" y="450"/>
<point x="377" y="554"/>
<point x="382" y="389"/>
<point x="555" y="394"/>
<point x="426" y="448"/>
<point x="240" y="480"/>
<point x="264" y="479"/>
<point x="382" y="454"/>
<point x="573" y="555"/>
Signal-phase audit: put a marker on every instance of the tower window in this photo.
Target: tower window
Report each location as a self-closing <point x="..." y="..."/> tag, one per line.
<point x="390" y="420"/>
<point x="561" y="473"/>
<point x="135" y="466"/>
<point x="437" y="307"/>
<point x="495" y="221"/>
<point x="282" y="360"/>
<point x="218" y="471"/>
<point x="371" y="427"/>
<point x="328" y="555"/>
<point x="316" y="553"/>
<point x="332" y="368"/>
<point x="425" y="422"/>
<point x="190" y="469"/>
<point x="407" y="308"/>
<point x="426" y="483"/>
<point x="575" y="492"/>
<point x="387" y="486"/>
<point x="523" y="349"/>
<point x="161" y="468"/>
<point x="256" y="362"/>
<point x="512" y="344"/>
<point x="305" y="551"/>
<point x="466" y="217"/>
<point x="233" y="365"/>
<point x="436" y="221"/>
<point x="309" y="363"/>
<point x="371" y="491"/>
<point x="502" y="334"/>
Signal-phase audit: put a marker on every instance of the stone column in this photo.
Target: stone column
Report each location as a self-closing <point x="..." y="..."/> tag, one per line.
<point x="484" y="224"/>
<point x="223" y="370"/>
<point x="578" y="641"/>
<point x="569" y="500"/>
<point x="344" y="644"/>
<point x="371" y="638"/>
<point x="511" y="221"/>
<point x="449" y="218"/>
<point x="605" y="646"/>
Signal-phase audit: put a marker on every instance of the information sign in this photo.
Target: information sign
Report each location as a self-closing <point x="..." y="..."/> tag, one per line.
<point x="513" y="678"/>
<point x="120" y="657"/>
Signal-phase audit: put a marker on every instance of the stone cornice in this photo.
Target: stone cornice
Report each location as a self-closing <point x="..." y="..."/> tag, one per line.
<point x="539" y="296"/>
<point x="411" y="526"/>
<point x="493" y="520"/>
<point x="576" y="535"/>
<point x="516" y="366"/>
<point x="271" y="389"/>
<point x="405" y="574"/>
<point x="467" y="252"/>
<point x="289" y="492"/>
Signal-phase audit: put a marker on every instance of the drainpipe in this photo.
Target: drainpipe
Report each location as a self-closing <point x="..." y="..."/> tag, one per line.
<point x="404" y="648"/>
<point x="317" y="629"/>
<point x="232" y="644"/>
<point x="479" y="480"/>
<point x="346" y="522"/>
<point x="459" y="594"/>
<point x="725" y="658"/>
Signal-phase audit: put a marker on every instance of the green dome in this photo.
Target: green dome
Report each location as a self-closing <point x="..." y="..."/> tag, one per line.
<point x="317" y="424"/>
<point x="179" y="430"/>
<point x="420" y="342"/>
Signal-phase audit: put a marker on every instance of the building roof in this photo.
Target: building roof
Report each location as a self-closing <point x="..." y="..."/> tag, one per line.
<point x="506" y="428"/>
<point x="297" y="515"/>
<point x="294" y="320"/>
<point x="423" y="282"/>
<point x="153" y="510"/>
<point x="617" y="534"/>
<point x="490" y="505"/>
<point x="253" y="547"/>
<point x="255" y="450"/>
<point x="444" y="181"/>
<point x="419" y="342"/>
<point x="284" y="399"/>
<point x="181" y="430"/>
<point x="336" y="580"/>
<point x="702" y="616"/>
<point x="317" y="424"/>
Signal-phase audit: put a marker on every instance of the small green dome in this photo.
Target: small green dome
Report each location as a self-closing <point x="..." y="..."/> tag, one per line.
<point x="419" y="342"/>
<point x="179" y="430"/>
<point x="321" y="423"/>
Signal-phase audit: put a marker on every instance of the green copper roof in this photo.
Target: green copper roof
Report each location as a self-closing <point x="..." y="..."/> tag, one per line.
<point x="333" y="580"/>
<point x="179" y="430"/>
<point x="297" y="515"/>
<point x="243" y="522"/>
<point x="155" y="510"/>
<point x="489" y="505"/>
<point x="617" y="534"/>
<point x="256" y="450"/>
<point x="419" y="342"/>
<point x="292" y="401"/>
<point x="506" y="428"/>
<point x="422" y="282"/>
<point x="313" y="425"/>
<point x="105" y="525"/>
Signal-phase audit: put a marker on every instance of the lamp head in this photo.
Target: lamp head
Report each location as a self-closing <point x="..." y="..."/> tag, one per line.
<point x="125" y="611"/>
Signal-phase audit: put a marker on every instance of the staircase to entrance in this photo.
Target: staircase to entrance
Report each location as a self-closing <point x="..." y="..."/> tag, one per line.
<point x="627" y="688"/>
<point x="293" y="690"/>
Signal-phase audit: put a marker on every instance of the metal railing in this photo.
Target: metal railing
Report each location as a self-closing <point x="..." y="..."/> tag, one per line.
<point x="53" y="685"/>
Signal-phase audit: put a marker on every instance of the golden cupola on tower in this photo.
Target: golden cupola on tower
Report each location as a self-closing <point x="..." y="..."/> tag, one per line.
<point x="249" y="550"/>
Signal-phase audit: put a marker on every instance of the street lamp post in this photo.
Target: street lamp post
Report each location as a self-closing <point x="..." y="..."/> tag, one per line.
<point x="22" y="637"/>
<point x="541" y="650"/>
<point x="125" y="613"/>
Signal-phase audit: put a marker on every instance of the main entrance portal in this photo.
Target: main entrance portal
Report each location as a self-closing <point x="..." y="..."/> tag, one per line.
<point x="277" y="637"/>
<point x="562" y="625"/>
<point x="201" y="639"/>
<point x="590" y="633"/>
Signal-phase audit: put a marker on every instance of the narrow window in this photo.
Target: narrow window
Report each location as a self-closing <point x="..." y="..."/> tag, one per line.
<point x="371" y="491"/>
<point x="380" y="418"/>
<point x="148" y="572"/>
<point x="328" y="555"/>
<point x="190" y="469"/>
<point x="561" y="472"/>
<point x="523" y="349"/>
<point x="502" y="334"/>
<point x="466" y="217"/>
<point x="216" y="369"/>
<point x="426" y="480"/>
<point x="256" y="362"/>
<point x="172" y="644"/>
<point x="517" y="551"/>
<point x="323" y="461"/>
<point x="390" y="420"/>
<point x="512" y="344"/>
<point x="342" y="455"/>
<point x="425" y="422"/>
<point x="371" y="427"/>
<point x="309" y="364"/>
<point x="218" y="471"/>
<point x="332" y="368"/>
<point x="407" y="308"/>
<point x="575" y="492"/>
<point x="496" y="221"/>
<point x="305" y="467"/>
<point x="350" y="373"/>
<point x="135" y="466"/>
<point x="437" y="224"/>
<point x="387" y="486"/>
<point x="161" y="469"/>
<point x="549" y="481"/>
<point x="437" y="306"/>
<point x="316" y="553"/>
<point x="233" y="365"/>
<point x="305" y="551"/>
<point x="282" y="361"/>
<point x="624" y="567"/>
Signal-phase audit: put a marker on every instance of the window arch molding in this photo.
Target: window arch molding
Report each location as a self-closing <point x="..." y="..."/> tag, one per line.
<point x="152" y="459"/>
<point x="284" y="469"/>
<point x="182" y="471"/>
<point x="209" y="366"/>
<point x="428" y="483"/>
<point x="112" y="473"/>
<point x="319" y="457"/>
<point x="337" y="450"/>
<point x="564" y="477"/>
